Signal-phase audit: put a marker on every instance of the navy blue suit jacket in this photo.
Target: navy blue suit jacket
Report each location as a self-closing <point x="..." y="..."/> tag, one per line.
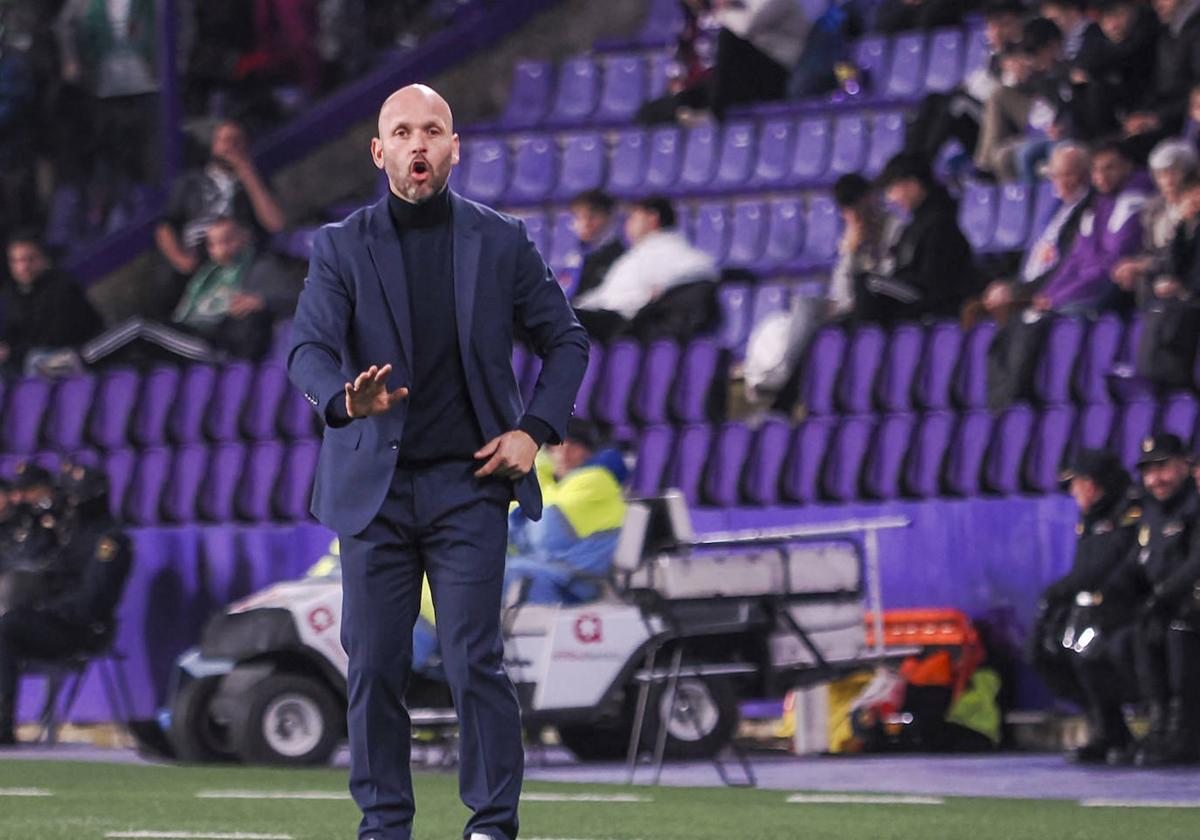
<point x="354" y="313"/>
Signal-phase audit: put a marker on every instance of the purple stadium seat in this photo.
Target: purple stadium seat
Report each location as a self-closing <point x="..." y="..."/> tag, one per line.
<point x="774" y="158"/>
<point x="1122" y="380"/>
<point x="736" y="161"/>
<point x="699" y="158"/>
<point x="294" y="490"/>
<point x="822" y="228"/>
<point x="1178" y="416"/>
<point x="623" y="89"/>
<point x="1010" y="438"/>
<point x="257" y="484"/>
<point x="1012" y="218"/>
<point x="769" y="298"/>
<point x="664" y="21"/>
<point x="806" y="454"/>
<point x="886" y="456"/>
<point x="977" y="51"/>
<point x="159" y="391"/>
<point x="187" y="472"/>
<point x="871" y="58"/>
<point x="849" y="145"/>
<point x="610" y="404"/>
<point x="297" y="420"/>
<point x="1048" y="448"/>
<point x="654" y="449"/>
<point x="269" y="386"/>
<point x="662" y="168"/>
<point x="906" y="78"/>
<point x="145" y="494"/>
<point x="964" y="458"/>
<point x="486" y="173"/>
<point x="841" y="474"/>
<point x="587" y="387"/>
<point x="1052" y="378"/>
<point x="810" y="153"/>
<point x="734" y="301"/>
<point x="538" y="230"/>
<point x="939" y="360"/>
<point x="660" y="367"/>
<point x="697" y="371"/>
<point x="688" y="458"/>
<point x="529" y="95"/>
<point x="945" y="68"/>
<point x="977" y="215"/>
<point x="219" y="488"/>
<point x="898" y="368"/>
<point x="1096" y="359"/>
<point x="710" y="232"/>
<point x="1093" y="427"/>
<point x="785" y="232"/>
<point x="723" y="477"/>
<point x="564" y="245"/>
<point x="1134" y="421"/>
<point x="577" y="92"/>
<point x="970" y="380"/>
<point x="627" y="168"/>
<point x="234" y="382"/>
<point x="747" y="233"/>
<point x="112" y="405"/>
<point x="67" y="414"/>
<point x="768" y="451"/>
<point x="821" y="366"/>
<point x="118" y="465"/>
<point x="582" y="165"/>
<point x="860" y="368"/>
<point x="658" y="77"/>
<point x="534" y="169"/>
<point x="927" y="455"/>
<point x="887" y="139"/>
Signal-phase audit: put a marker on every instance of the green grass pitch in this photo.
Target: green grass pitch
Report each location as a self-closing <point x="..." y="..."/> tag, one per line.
<point x="94" y="800"/>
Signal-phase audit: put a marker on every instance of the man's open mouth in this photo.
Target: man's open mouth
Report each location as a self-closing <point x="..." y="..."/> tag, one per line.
<point x="420" y="167"/>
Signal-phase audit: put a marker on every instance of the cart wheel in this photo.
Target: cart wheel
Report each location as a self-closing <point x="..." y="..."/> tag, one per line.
<point x="195" y="735"/>
<point x="286" y="719"/>
<point x="701" y="721"/>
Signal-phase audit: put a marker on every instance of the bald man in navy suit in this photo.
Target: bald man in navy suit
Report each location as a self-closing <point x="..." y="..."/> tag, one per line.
<point x="402" y="342"/>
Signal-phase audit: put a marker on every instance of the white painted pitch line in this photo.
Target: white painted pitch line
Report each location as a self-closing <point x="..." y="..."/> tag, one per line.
<point x="861" y="799"/>
<point x="1139" y="803"/>
<point x="556" y="838"/>
<point x="25" y="792"/>
<point x="197" y="835"/>
<point x="584" y="797"/>
<point x="321" y="795"/>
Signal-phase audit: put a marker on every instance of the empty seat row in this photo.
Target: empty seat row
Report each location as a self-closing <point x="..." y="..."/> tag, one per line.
<point x="254" y="482"/>
<point x="167" y="404"/>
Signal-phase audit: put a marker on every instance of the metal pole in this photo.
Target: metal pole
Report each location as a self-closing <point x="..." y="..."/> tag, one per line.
<point x="875" y="588"/>
<point x="170" y="110"/>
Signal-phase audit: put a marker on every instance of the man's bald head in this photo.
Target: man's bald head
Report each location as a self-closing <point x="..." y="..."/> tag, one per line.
<point x="416" y="146"/>
<point x="1069" y="170"/>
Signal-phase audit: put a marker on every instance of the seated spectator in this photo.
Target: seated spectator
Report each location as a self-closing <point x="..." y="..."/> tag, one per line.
<point x="1176" y="72"/>
<point x="955" y="114"/>
<point x="1082" y="36"/>
<point x="567" y="552"/>
<point x="1109" y="230"/>
<point x="868" y="232"/>
<point x="228" y="186"/>
<point x="759" y="43"/>
<point x="894" y="16"/>
<point x="1070" y="176"/>
<point x="42" y="309"/>
<point x="659" y="260"/>
<point x="689" y="85"/>
<point x="600" y="241"/>
<point x="1110" y="82"/>
<point x="228" y="307"/>
<point x="929" y="270"/>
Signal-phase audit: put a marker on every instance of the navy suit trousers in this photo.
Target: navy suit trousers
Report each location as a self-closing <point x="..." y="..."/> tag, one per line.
<point x="443" y="521"/>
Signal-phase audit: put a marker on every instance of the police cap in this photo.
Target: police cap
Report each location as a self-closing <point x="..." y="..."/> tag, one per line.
<point x="1161" y="447"/>
<point x="1099" y="465"/>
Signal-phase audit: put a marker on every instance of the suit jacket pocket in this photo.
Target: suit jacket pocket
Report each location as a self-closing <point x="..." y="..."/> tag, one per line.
<point x="345" y="437"/>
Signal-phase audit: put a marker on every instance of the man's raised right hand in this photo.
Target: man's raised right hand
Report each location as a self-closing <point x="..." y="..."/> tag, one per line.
<point x="368" y="395"/>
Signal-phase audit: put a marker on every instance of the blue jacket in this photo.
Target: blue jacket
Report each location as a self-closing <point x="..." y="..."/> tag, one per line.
<point x="354" y="313"/>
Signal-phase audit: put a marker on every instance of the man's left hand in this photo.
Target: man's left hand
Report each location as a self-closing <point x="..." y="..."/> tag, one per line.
<point x="243" y="304"/>
<point x="509" y="456"/>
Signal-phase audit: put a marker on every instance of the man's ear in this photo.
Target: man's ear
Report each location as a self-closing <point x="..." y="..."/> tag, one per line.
<point x="456" y="155"/>
<point x="377" y="152"/>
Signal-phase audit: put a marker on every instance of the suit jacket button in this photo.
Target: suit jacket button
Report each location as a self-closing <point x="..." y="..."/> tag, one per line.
<point x="395" y="444"/>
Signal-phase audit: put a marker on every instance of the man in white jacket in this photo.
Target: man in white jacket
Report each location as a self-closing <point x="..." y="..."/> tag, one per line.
<point x="659" y="258"/>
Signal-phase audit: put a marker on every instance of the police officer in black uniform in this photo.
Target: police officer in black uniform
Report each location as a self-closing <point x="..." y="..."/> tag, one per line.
<point x="1084" y="642"/>
<point x="88" y="572"/>
<point x="1166" y="571"/>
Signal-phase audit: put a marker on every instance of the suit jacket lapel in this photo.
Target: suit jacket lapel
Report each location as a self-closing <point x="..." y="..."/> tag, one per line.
<point x="467" y="241"/>
<point x="384" y="247"/>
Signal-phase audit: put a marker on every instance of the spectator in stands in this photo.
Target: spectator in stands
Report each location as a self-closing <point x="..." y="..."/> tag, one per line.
<point x="42" y="309"/>
<point x="1082" y="37"/>
<point x="228" y="307"/>
<point x="1176" y="71"/>
<point x="659" y="261"/>
<point x="867" y="233"/>
<point x="600" y="241"/>
<point x="1110" y="82"/>
<point x="759" y="43"/>
<point x="1191" y="126"/>
<point x="930" y="270"/>
<point x="1019" y="118"/>
<point x="218" y="64"/>
<point x="1070" y="176"/>
<point x="1109" y="230"/>
<point x="18" y="133"/>
<point x="228" y="186"/>
<point x="566" y="554"/>
<point x="894" y="16"/>
<point x="956" y="114"/>
<point x="689" y="88"/>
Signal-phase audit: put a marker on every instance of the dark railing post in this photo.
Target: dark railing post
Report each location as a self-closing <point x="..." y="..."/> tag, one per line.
<point x="169" y="107"/>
